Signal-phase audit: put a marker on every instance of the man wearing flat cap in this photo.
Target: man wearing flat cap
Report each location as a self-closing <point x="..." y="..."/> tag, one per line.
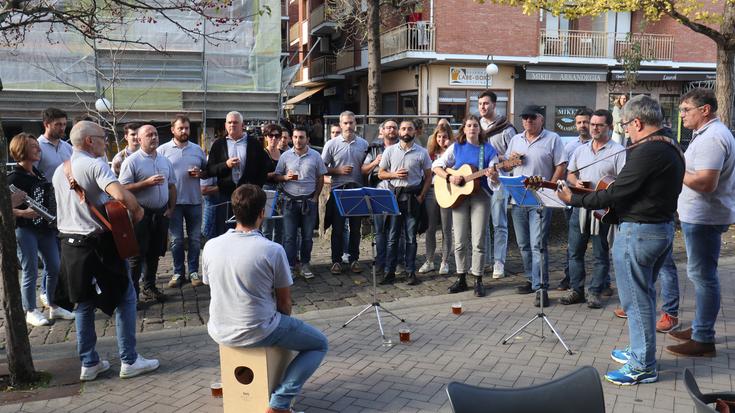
<point x="544" y="156"/>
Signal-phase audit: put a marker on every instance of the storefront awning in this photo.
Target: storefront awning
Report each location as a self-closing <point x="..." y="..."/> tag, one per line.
<point x="566" y="74"/>
<point x="305" y="95"/>
<point x="667" y="75"/>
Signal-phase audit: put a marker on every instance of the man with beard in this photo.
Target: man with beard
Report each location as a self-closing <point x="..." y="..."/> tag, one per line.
<point x="498" y="132"/>
<point x="407" y="169"/>
<point x="131" y="137"/>
<point x="188" y="160"/>
<point x="588" y="163"/>
<point x="151" y="178"/>
<point x="54" y="150"/>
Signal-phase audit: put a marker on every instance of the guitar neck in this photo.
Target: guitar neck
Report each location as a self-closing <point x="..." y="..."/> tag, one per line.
<point x="554" y="186"/>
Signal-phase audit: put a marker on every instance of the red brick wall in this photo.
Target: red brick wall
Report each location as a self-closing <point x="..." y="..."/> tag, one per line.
<point x="689" y="46"/>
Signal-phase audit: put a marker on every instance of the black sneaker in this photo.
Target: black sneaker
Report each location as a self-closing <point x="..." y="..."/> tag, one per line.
<point x="479" y="287"/>
<point x="607" y="291"/>
<point x="412" y="279"/>
<point x="563" y="285"/>
<point x="572" y="297"/>
<point x="153" y="294"/>
<point x="537" y="301"/>
<point x="389" y="278"/>
<point x="459" y="285"/>
<point x="526" y="288"/>
<point x="593" y="301"/>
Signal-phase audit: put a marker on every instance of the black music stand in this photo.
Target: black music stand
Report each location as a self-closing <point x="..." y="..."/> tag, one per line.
<point x="372" y="202"/>
<point x="530" y="198"/>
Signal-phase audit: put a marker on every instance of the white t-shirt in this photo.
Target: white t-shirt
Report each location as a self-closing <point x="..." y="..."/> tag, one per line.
<point x="242" y="269"/>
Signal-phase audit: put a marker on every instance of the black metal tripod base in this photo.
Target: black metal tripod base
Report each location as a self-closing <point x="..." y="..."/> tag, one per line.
<point x="544" y="320"/>
<point x="376" y="305"/>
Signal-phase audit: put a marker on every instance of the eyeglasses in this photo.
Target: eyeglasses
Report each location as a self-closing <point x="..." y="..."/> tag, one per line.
<point x="597" y="125"/>
<point x="684" y="110"/>
<point x="274" y="135"/>
<point x="103" y="137"/>
<point x="529" y="117"/>
<point x="624" y="125"/>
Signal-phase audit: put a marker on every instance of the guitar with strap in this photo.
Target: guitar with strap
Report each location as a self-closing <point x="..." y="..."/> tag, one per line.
<point x="606" y="216"/>
<point x="117" y="220"/>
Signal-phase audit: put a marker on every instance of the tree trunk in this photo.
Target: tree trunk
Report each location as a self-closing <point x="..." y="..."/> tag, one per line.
<point x="373" y="41"/>
<point x="724" y="89"/>
<point x="17" y="346"/>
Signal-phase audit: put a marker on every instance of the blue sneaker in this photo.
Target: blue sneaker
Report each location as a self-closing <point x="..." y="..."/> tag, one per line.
<point x="628" y="376"/>
<point x="621" y="356"/>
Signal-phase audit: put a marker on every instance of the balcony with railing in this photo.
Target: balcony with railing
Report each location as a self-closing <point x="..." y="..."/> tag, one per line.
<point x="604" y="45"/>
<point x="323" y="66"/>
<point x="345" y="60"/>
<point x="408" y="37"/>
<point x="321" y="19"/>
<point x="294" y="33"/>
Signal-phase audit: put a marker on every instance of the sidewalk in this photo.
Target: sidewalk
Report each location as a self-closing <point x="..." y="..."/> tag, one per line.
<point x="361" y="375"/>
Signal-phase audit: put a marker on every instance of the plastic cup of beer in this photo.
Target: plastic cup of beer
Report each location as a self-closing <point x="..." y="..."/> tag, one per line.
<point x="405" y="335"/>
<point x="294" y="174"/>
<point x="193" y="171"/>
<point x="216" y="389"/>
<point x="457" y="308"/>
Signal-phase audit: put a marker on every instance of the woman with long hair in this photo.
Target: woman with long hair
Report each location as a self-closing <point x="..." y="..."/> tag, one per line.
<point x="34" y="234"/>
<point x="438" y="142"/>
<point x="272" y="228"/>
<point x="618" y="132"/>
<point x="470" y="217"/>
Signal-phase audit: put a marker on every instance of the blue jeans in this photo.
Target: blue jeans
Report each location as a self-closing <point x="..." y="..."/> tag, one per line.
<point x="212" y="213"/>
<point x="703" y="243"/>
<point x="639" y="252"/>
<point x="30" y="243"/>
<point x="577" y="248"/>
<point x="311" y="344"/>
<point x="403" y="226"/>
<point x="192" y="214"/>
<point x="299" y="217"/>
<point x="496" y="242"/>
<point x="382" y="233"/>
<point x="532" y="236"/>
<point x="125" y="326"/>
<point x="669" y="286"/>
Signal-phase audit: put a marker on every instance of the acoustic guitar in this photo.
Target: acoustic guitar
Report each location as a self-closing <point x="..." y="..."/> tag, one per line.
<point x="449" y="195"/>
<point x="606" y="216"/>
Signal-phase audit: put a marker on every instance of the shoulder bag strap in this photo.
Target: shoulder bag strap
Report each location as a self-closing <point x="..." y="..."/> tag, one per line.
<point x="83" y="196"/>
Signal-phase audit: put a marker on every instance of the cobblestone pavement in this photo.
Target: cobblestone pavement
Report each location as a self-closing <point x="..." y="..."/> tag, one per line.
<point x="360" y="375"/>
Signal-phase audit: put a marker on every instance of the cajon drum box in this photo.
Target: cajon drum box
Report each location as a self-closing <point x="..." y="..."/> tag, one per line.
<point x="249" y="376"/>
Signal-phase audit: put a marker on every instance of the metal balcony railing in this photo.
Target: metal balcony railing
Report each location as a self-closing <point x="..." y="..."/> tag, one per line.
<point x="610" y="45"/>
<point x="294" y="33"/>
<point x="408" y="37"/>
<point x="345" y="60"/>
<point x="321" y="14"/>
<point x="323" y="66"/>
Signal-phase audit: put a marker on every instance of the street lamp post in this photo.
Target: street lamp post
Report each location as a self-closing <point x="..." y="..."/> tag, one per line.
<point x="491" y="69"/>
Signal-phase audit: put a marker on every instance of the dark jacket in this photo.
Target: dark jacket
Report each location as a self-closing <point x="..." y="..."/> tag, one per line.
<point x="256" y="165"/>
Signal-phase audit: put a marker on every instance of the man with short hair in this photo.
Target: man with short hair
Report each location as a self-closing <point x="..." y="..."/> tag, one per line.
<point x="334" y="131"/>
<point x="706" y="209"/>
<point x="499" y="132"/>
<point x="133" y="144"/>
<point x="344" y="156"/>
<point x="407" y="169"/>
<point x="644" y="196"/>
<point x="301" y="170"/>
<point x="54" y="150"/>
<point x="543" y="153"/>
<point x="251" y="297"/>
<point x="151" y="178"/>
<point x="95" y="275"/>
<point x="188" y="160"/>
<point x="588" y="164"/>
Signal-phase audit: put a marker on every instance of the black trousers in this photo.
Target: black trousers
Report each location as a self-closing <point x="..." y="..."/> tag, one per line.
<point x="152" y="235"/>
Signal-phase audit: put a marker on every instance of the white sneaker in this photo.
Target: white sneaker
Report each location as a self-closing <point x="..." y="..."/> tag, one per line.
<point x="345" y="258"/>
<point x="195" y="280"/>
<point x="427" y="267"/>
<point x="498" y="270"/>
<point x="36" y="318"/>
<point x="175" y="281"/>
<point x="141" y="366"/>
<point x="44" y="300"/>
<point x="90" y="373"/>
<point x="444" y="268"/>
<point x="60" y="313"/>
<point x="306" y="271"/>
<point x="400" y="269"/>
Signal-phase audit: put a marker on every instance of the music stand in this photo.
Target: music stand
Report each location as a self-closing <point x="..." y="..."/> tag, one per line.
<point x="372" y="202"/>
<point x="271" y="204"/>
<point x="530" y="198"/>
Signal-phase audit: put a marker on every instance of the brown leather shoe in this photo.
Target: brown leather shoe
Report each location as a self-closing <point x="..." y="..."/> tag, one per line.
<point x="681" y="335"/>
<point x="693" y="348"/>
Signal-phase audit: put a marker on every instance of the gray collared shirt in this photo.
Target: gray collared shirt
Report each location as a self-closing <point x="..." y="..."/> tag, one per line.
<point x="309" y="166"/>
<point x="238" y="149"/>
<point x="572" y="146"/>
<point x="712" y="147"/>
<point x="188" y="191"/>
<point x="118" y="159"/>
<point x="338" y="152"/>
<point x="52" y="155"/>
<point x="414" y="159"/>
<point x="91" y="174"/>
<point x="499" y="141"/>
<point x="140" y="166"/>
<point x="543" y="155"/>
<point x="609" y="160"/>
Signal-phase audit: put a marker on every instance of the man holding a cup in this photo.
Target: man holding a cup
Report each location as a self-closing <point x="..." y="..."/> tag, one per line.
<point x="188" y="160"/>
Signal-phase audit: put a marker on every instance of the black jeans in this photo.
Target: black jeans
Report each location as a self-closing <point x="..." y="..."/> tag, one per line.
<point x="151" y="232"/>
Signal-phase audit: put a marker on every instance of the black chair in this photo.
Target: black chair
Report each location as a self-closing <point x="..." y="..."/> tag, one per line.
<point x="580" y="391"/>
<point x="702" y="400"/>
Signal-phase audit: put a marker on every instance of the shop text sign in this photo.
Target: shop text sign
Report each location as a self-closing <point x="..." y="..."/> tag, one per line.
<point x="566" y="77"/>
<point x="469" y="76"/>
<point x="564" y="120"/>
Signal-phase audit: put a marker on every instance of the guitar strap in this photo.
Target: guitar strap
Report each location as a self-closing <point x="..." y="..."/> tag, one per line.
<point x="481" y="164"/>
<point x="83" y="196"/>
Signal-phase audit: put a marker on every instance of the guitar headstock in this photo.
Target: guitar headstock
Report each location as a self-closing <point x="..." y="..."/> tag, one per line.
<point x="513" y="161"/>
<point x="533" y="182"/>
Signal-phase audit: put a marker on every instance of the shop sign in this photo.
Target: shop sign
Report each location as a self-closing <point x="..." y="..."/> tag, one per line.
<point x="566" y="75"/>
<point x="469" y="76"/>
<point x="564" y="120"/>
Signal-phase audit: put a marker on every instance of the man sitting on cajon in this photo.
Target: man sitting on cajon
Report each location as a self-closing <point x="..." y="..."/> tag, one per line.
<point x="242" y="269"/>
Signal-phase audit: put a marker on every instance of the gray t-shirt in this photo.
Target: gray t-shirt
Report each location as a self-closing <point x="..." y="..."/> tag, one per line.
<point x="499" y="141"/>
<point x="338" y="152"/>
<point x="597" y="165"/>
<point x="572" y="146"/>
<point x="309" y="167"/>
<point x="91" y="174"/>
<point x="416" y="160"/>
<point x="242" y="310"/>
<point x="543" y="155"/>
<point x="712" y="147"/>
<point x="140" y="166"/>
<point x="188" y="191"/>
<point x="52" y="155"/>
